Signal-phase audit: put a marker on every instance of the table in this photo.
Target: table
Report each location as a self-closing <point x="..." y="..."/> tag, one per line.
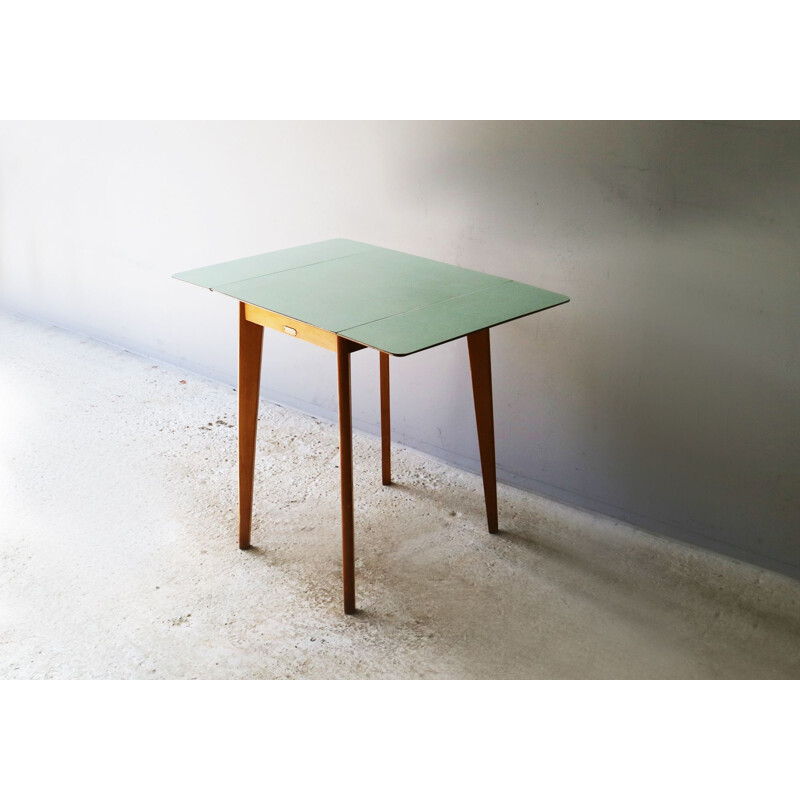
<point x="345" y="296"/>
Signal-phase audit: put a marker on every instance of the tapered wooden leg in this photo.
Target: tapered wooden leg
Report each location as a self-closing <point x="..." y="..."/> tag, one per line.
<point x="481" y="368"/>
<point x="346" y="474"/>
<point x="386" y="425"/>
<point x="250" y="339"/>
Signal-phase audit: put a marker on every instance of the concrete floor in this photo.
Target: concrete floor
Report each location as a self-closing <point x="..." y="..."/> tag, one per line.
<point x="118" y="554"/>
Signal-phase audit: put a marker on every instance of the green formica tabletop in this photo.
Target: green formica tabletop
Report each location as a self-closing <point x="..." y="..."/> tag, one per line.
<point x="384" y="299"/>
<point x="347" y="296"/>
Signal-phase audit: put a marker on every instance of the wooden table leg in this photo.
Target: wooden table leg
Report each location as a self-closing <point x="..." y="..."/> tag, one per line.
<point x="343" y="349"/>
<point x="250" y="339"/>
<point x="481" y="368"/>
<point x="386" y="425"/>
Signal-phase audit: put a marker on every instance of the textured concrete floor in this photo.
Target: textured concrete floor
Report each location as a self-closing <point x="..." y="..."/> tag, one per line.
<point x="118" y="554"/>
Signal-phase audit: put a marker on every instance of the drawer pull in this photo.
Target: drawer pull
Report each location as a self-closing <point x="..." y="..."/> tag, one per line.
<point x="290" y="331"/>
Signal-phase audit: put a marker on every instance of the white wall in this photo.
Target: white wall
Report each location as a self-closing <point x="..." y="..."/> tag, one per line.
<point x="665" y="393"/>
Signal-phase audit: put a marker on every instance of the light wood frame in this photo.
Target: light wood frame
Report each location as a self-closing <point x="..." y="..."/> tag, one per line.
<point x="252" y="321"/>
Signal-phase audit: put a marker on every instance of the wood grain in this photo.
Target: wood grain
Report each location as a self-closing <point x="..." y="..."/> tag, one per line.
<point x="250" y="340"/>
<point x="344" y="348"/>
<point x="481" y="369"/>
<point x="303" y="331"/>
<point x="386" y="423"/>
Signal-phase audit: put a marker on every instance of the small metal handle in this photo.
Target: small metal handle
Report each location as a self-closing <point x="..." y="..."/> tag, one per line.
<point x="290" y="331"/>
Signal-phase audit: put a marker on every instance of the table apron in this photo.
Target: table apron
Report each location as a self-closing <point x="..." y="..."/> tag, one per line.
<point x="290" y="327"/>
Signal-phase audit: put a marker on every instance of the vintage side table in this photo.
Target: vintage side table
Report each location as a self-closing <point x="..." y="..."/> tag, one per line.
<point x="344" y="296"/>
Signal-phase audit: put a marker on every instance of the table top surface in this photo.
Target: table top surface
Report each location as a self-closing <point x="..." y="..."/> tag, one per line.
<point x="392" y="301"/>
